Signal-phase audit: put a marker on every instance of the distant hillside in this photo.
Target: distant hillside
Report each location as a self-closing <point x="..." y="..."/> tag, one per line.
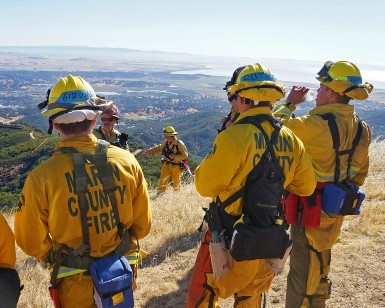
<point x="23" y="147"/>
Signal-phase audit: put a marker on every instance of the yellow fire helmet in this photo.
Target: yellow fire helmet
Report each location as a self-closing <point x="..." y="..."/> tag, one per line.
<point x="344" y="78"/>
<point x="233" y="78"/>
<point x="72" y="99"/>
<point x="169" y="131"/>
<point x="256" y="82"/>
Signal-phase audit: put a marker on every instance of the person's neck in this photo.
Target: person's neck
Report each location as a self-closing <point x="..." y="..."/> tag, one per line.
<point x="245" y="108"/>
<point x="73" y="136"/>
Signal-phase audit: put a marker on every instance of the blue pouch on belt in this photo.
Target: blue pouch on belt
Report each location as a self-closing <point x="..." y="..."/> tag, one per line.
<point x="342" y="198"/>
<point x="112" y="278"/>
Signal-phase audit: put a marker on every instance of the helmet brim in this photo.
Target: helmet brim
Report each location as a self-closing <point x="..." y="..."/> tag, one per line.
<point x="76" y="116"/>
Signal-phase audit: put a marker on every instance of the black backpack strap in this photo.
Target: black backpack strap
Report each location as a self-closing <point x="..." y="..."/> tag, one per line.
<point x="356" y="141"/>
<point x="176" y="147"/>
<point x="256" y="121"/>
<point x="336" y="143"/>
<point x="99" y="159"/>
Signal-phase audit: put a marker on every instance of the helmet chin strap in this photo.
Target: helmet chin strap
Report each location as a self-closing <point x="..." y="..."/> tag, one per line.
<point x="50" y="128"/>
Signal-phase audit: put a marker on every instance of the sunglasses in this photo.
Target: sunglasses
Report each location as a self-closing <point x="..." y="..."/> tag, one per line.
<point x="232" y="97"/>
<point x="107" y="119"/>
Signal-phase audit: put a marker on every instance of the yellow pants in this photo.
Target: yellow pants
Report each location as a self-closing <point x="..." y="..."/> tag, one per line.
<point x="169" y="171"/>
<point x="307" y="281"/>
<point x="246" y="281"/>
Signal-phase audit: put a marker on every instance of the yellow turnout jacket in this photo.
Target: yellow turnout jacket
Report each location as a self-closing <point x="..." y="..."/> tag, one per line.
<point x="176" y="144"/>
<point x="316" y="137"/>
<point x="49" y="212"/>
<point x="237" y="150"/>
<point x="7" y="245"/>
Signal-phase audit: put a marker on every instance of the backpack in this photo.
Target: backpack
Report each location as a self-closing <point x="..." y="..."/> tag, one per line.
<point x="260" y="233"/>
<point x="263" y="192"/>
<point x="166" y="152"/>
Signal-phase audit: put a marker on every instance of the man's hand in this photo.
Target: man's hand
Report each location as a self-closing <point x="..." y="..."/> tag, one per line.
<point x="297" y="94"/>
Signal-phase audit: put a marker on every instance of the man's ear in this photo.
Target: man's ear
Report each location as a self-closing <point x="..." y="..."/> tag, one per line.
<point x="94" y="122"/>
<point x="55" y="126"/>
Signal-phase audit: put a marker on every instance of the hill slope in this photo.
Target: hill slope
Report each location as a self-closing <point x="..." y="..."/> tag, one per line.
<point x="358" y="264"/>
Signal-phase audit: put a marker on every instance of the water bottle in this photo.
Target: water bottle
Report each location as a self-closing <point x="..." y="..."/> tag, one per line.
<point x="309" y="96"/>
<point x="219" y="254"/>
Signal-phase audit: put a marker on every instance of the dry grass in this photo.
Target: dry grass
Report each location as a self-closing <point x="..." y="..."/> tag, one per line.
<point x="358" y="261"/>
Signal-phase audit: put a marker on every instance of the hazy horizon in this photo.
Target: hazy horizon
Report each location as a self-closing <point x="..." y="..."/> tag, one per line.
<point x="291" y="70"/>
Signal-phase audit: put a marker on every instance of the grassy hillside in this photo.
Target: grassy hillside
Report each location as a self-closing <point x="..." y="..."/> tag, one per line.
<point x="23" y="147"/>
<point x="358" y="264"/>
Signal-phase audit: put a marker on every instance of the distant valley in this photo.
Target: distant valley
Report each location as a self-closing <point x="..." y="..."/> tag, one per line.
<point x="151" y="89"/>
<point x="147" y="88"/>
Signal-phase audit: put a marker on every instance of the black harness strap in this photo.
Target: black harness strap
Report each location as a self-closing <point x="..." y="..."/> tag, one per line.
<point x="212" y="295"/>
<point x="336" y="143"/>
<point x="99" y="159"/>
<point x="256" y="121"/>
<point x="319" y="256"/>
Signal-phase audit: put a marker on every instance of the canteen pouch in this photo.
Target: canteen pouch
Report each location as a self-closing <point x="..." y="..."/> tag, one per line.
<point x="220" y="257"/>
<point x="54" y="294"/>
<point x="311" y="215"/>
<point x="113" y="279"/>
<point x="250" y="242"/>
<point x="290" y="208"/>
<point x="343" y="198"/>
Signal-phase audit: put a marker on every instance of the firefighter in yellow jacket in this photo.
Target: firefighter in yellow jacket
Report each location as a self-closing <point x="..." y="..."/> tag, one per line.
<point x="174" y="153"/>
<point x="9" y="278"/>
<point x="107" y="130"/>
<point x="315" y="233"/>
<point x="49" y="221"/>
<point x="234" y="112"/>
<point x="223" y="172"/>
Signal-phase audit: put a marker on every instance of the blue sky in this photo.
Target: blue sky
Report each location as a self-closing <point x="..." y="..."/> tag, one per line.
<point x="296" y="29"/>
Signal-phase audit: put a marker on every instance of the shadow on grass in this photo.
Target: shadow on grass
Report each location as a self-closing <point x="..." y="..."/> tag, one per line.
<point x="173" y="299"/>
<point x="181" y="243"/>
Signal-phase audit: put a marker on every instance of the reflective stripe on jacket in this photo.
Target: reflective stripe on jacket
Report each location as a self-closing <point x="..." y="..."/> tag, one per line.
<point x="133" y="259"/>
